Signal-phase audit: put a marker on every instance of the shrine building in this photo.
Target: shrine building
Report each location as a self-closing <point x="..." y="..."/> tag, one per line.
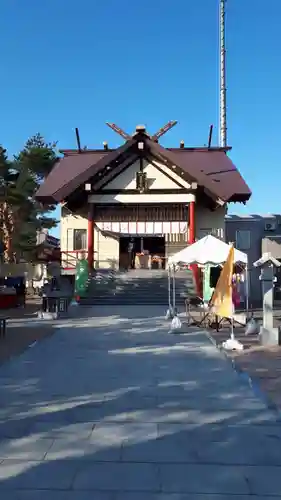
<point x="163" y="198"/>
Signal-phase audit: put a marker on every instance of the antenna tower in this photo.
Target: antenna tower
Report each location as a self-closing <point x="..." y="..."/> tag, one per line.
<point x="222" y="124"/>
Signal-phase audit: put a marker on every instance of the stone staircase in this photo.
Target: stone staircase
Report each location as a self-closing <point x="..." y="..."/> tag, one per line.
<point x="140" y="286"/>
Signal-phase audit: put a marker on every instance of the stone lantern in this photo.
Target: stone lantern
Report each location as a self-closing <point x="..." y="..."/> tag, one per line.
<point x="267" y="264"/>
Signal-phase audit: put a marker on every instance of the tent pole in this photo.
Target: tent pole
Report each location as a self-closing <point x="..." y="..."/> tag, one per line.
<point x="169" y="313"/>
<point x="247" y="292"/>
<point x="169" y="287"/>
<point x="174" y="289"/>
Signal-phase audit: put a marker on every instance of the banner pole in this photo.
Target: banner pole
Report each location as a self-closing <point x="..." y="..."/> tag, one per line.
<point x="232" y="336"/>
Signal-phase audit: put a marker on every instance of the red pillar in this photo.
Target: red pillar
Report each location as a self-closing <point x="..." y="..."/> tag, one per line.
<point x="91" y="227"/>
<point x="191" y="222"/>
<point x="191" y="239"/>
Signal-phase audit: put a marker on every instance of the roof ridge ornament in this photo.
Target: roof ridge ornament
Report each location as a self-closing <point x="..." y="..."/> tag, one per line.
<point x="163" y="130"/>
<point x="119" y="131"/>
<point x="141" y="129"/>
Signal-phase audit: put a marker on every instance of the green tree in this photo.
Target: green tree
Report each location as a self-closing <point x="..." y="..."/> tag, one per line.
<point x="9" y="197"/>
<point x="22" y="215"/>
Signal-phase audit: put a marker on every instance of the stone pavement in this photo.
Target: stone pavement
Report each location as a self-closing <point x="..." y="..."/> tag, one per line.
<point x="113" y="407"/>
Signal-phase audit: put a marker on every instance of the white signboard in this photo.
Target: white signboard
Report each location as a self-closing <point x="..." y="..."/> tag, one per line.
<point x="141" y="228"/>
<point x="132" y="227"/>
<point x="149" y="228"/>
<point x="144" y="228"/>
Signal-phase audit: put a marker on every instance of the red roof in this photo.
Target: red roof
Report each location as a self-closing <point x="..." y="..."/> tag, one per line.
<point x="62" y="180"/>
<point x="211" y="168"/>
<point x="214" y="170"/>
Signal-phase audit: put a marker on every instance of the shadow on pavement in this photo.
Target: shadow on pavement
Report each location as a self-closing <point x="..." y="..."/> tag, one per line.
<point x="114" y="407"/>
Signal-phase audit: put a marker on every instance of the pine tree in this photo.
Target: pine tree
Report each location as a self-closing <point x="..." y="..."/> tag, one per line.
<point x="9" y="197"/>
<point x="21" y="215"/>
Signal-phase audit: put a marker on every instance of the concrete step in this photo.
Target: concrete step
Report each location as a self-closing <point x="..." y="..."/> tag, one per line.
<point x="127" y="301"/>
<point x="136" y="287"/>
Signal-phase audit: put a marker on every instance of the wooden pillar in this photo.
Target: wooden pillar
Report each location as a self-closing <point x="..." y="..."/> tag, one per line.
<point x="91" y="234"/>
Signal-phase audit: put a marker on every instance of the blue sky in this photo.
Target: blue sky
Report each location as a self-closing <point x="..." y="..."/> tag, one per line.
<point x="67" y="64"/>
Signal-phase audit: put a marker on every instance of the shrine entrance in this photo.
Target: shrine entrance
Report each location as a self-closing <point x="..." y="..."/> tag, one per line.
<point x="142" y="252"/>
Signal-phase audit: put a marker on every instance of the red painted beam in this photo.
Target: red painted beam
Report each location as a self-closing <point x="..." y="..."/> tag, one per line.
<point x="90" y="245"/>
<point x="191" y="239"/>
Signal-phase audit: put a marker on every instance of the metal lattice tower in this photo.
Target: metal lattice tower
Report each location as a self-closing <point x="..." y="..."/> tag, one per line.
<point x="222" y="124"/>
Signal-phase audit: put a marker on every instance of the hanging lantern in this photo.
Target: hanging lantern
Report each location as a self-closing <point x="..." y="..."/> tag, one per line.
<point x="141" y="182"/>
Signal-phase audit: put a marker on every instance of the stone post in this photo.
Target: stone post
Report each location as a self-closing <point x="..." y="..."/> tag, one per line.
<point x="268" y="334"/>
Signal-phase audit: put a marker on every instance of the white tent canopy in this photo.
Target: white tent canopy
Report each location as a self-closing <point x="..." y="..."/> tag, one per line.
<point x="208" y="250"/>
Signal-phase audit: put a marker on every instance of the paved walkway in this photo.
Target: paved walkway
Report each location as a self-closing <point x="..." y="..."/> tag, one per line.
<point x="115" y="408"/>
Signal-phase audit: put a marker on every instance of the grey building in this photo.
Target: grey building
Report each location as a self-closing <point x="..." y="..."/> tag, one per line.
<point x="254" y="235"/>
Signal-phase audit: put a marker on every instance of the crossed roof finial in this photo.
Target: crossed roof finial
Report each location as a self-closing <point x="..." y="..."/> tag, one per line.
<point x="141" y="128"/>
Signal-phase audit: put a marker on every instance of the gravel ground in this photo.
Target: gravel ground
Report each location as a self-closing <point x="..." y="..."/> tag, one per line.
<point x="19" y="338"/>
<point x="20" y="335"/>
<point x="262" y="364"/>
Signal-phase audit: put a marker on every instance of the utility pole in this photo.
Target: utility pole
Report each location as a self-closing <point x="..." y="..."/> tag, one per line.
<point x="222" y="119"/>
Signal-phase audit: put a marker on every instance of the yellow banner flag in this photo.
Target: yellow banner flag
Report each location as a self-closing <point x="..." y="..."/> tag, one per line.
<point x="222" y="296"/>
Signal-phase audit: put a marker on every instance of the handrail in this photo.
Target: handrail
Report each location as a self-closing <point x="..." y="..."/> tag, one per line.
<point x="69" y="258"/>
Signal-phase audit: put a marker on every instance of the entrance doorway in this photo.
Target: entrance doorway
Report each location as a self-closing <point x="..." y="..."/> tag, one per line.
<point x="131" y="248"/>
